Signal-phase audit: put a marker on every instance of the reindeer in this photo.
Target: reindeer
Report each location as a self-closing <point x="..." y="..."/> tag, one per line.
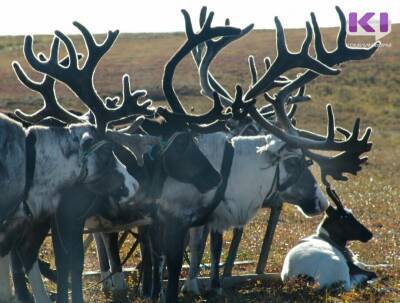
<point x="78" y="154"/>
<point x="324" y="256"/>
<point x="238" y="212"/>
<point x="58" y="158"/>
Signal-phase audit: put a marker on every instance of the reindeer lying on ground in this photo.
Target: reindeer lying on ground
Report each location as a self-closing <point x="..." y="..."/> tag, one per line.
<point x="325" y="256"/>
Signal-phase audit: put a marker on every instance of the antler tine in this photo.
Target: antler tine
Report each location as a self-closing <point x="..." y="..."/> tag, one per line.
<point x="130" y="100"/>
<point x="95" y="51"/>
<point x="206" y="33"/>
<point x="46" y="88"/>
<point x="253" y="69"/>
<point x="207" y="81"/>
<point x="342" y="53"/>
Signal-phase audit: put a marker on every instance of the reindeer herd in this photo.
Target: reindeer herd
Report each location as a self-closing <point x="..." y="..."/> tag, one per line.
<point x="127" y="163"/>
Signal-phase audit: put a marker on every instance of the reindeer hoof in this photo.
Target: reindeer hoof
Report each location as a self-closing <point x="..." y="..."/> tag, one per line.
<point x="106" y="281"/>
<point x="191" y="286"/>
<point x="118" y="282"/>
<point x="215" y="291"/>
<point x="30" y="300"/>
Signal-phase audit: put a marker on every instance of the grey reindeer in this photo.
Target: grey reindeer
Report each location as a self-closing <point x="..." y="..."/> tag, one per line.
<point x="42" y="161"/>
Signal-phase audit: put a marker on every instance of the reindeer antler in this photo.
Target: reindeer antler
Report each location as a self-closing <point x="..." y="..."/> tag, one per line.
<point x="193" y="39"/>
<point x="46" y="88"/>
<point x="80" y="78"/>
<point x="351" y="147"/>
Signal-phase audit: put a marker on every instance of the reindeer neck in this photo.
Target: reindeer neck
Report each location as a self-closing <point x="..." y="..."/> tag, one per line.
<point x="331" y="238"/>
<point x="56" y="163"/>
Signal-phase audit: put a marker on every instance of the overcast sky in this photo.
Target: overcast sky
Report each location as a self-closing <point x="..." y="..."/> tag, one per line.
<point x="44" y="16"/>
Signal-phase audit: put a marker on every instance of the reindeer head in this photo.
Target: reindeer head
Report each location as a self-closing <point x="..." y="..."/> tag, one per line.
<point x="292" y="180"/>
<point x="341" y="225"/>
<point x="98" y="167"/>
<point x="296" y="183"/>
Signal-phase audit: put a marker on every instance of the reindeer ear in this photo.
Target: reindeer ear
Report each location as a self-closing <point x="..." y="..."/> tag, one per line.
<point x="330" y="211"/>
<point x="335" y="198"/>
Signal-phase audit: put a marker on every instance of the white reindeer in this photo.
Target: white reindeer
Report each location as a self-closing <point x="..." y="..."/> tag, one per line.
<point x="325" y="256"/>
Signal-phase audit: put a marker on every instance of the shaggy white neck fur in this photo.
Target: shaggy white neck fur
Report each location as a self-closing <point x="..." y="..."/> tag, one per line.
<point x="251" y="178"/>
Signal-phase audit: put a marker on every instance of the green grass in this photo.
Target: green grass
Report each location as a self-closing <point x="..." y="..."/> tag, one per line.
<point x="368" y="89"/>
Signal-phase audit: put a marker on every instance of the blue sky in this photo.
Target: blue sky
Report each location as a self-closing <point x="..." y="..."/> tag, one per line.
<point x="44" y="16"/>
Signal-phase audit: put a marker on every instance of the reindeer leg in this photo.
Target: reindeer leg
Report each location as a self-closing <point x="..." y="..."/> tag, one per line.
<point x="173" y="244"/>
<point x="269" y="236"/>
<point x="37" y="285"/>
<point x="103" y="261"/>
<point x="146" y="265"/>
<point x="157" y="259"/>
<point x="111" y="244"/>
<point x="198" y="239"/>
<point x="62" y="267"/>
<point x="75" y="257"/>
<point x="69" y="253"/>
<point x="18" y="275"/>
<point x="230" y="260"/>
<point x="27" y="253"/>
<point x="5" y="287"/>
<point x="216" y="249"/>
